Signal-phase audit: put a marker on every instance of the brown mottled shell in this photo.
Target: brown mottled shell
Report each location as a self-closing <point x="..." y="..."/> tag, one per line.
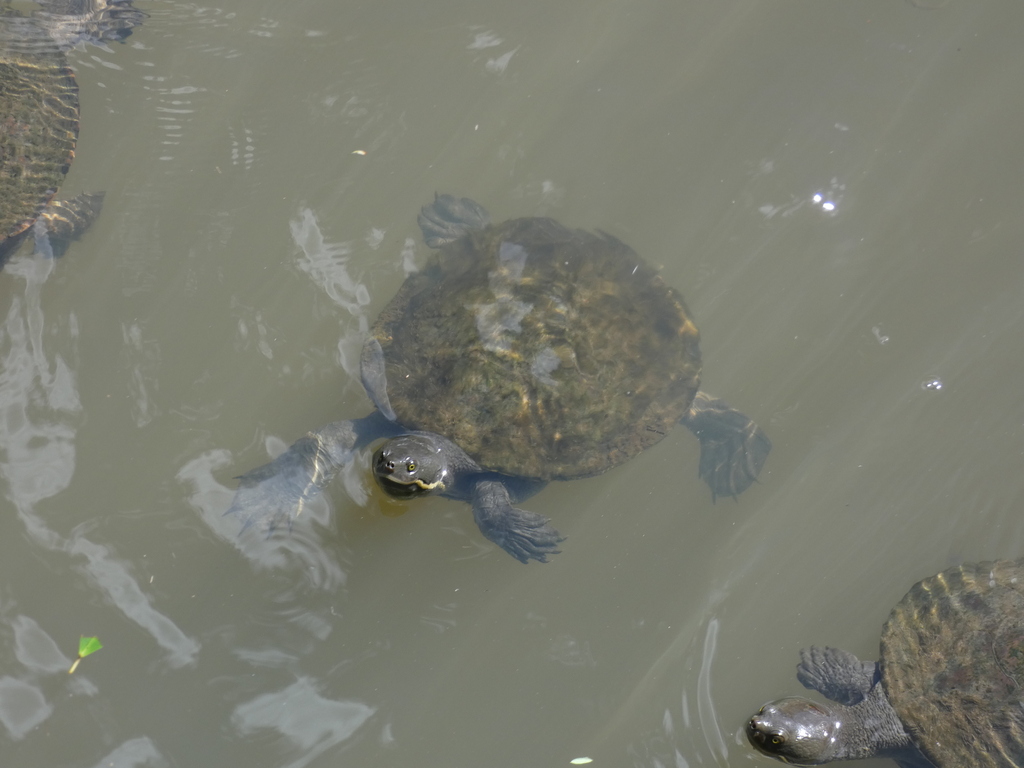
<point x="953" y="665"/>
<point x="541" y="351"/>
<point x="38" y="132"/>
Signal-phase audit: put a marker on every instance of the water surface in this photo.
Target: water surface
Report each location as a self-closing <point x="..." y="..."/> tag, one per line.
<point x="835" y="188"/>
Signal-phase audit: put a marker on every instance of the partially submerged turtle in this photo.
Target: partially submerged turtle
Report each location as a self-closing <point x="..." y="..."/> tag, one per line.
<point x="525" y="352"/>
<point x="946" y="691"/>
<point x="39" y="115"/>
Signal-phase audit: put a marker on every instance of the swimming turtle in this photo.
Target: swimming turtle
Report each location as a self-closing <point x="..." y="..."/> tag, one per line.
<point x="946" y="692"/>
<point x="39" y="115"/>
<point x="524" y="352"/>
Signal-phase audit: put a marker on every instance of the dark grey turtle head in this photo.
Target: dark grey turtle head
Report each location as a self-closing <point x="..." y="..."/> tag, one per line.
<point x="411" y="465"/>
<point x="795" y="730"/>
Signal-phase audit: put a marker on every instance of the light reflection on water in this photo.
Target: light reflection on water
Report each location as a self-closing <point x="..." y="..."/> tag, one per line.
<point x="42" y="409"/>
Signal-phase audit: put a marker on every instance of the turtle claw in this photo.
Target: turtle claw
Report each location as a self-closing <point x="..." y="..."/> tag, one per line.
<point x="524" y="535"/>
<point x="732" y="447"/>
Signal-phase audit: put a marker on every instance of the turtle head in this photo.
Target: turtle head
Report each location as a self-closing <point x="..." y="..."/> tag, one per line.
<point x="411" y="465"/>
<point x="795" y="730"/>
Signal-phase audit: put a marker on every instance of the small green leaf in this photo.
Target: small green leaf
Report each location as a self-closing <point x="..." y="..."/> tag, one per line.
<point x="88" y="645"/>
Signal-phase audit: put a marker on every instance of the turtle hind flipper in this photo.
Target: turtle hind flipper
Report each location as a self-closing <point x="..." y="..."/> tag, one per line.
<point x="732" y="447"/>
<point x="64" y="220"/>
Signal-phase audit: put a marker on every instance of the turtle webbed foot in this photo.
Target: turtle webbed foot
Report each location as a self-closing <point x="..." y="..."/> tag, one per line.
<point x="448" y="218"/>
<point x="732" y="447"/>
<point x="836" y="674"/>
<point x="524" y="535"/>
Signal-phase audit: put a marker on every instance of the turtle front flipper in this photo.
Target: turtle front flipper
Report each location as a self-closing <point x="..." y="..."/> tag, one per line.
<point x="64" y="220"/>
<point x="372" y="371"/>
<point x="279" y="490"/>
<point x="837" y="674"/>
<point x="732" y="447"/>
<point x="524" y="535"/>
<point x="448" y="218"/>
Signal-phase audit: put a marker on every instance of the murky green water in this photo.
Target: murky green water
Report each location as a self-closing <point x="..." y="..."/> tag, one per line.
<point x="835" y="188"/>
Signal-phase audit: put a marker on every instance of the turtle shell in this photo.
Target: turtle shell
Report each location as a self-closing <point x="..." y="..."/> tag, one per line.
<point x="953" y="665"/>
<point x="38" y="132"/>
<point x="39" y="110"/>
<point x="542" y="351"/>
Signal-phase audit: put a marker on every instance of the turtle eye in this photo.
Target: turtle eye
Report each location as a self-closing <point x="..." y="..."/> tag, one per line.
<point x="777" y="739"/>
<point x="411" y="467"/>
